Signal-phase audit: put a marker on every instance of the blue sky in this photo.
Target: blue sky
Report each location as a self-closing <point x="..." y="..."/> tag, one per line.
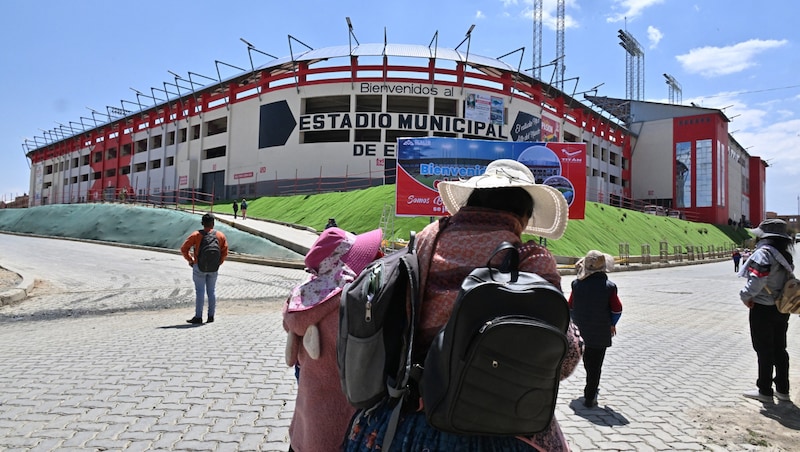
<point x="58" y="58"/>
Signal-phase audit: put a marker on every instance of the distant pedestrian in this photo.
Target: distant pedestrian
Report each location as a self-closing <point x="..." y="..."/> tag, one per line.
<point x="244" y="209"/>
<point x="766" y="274"/>
<point x="235" y="209"/>
<point x="595" y="308"/>
<point x="205" y="250"/>
<point x="737" y="256"/>
<point x="331" y="223"/>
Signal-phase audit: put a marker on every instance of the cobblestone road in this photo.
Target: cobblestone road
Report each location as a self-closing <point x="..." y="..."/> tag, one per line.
<point x="100" y="358"/>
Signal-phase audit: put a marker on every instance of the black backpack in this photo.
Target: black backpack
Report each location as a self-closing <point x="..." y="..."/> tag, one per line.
<point x="495" y="368"/>
<point x="209" y="254"/>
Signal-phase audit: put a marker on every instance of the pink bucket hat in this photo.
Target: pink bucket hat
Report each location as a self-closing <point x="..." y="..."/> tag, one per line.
<point x="335" y="259"/>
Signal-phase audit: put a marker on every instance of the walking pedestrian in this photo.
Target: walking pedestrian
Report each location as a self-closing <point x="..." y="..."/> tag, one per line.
<point x="235" y="208"/>
<point x="244" y="209"/>
<point x="737" y="256"/>
<point x="205" y="250"/>
<point x="766" y="276"/>
<point x="595" y="308"/>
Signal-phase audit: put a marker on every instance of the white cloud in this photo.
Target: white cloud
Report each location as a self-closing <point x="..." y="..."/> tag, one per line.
<point x="630" y="9"/>
<point x="654" y="35"/>
<point x="479" y="15"/>
<point x="716" y="61"/>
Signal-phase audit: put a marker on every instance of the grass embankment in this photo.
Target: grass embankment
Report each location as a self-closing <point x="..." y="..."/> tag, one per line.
<point x="604" y="227"/>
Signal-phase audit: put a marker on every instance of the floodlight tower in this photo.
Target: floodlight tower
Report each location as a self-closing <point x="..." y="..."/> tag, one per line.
<point x="634" y="66"/>
<point x="675" y="90"/>
<point x="537" y="39"/>
<point x="560" y="68"/>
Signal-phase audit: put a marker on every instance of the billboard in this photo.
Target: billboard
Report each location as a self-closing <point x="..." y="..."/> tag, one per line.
<point x="424" y="162"/>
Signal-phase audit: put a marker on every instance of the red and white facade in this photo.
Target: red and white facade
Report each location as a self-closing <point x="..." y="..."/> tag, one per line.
<point x="329" y="120"/>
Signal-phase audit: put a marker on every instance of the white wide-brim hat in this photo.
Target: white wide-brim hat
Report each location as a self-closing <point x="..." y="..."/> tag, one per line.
<point x="550" y="208"/>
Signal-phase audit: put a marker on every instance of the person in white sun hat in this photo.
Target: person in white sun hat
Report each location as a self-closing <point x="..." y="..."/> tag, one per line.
<point x="486" y="210"/>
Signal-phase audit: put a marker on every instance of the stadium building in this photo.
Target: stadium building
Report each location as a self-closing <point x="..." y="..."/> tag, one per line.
<point x="329" y="119"/>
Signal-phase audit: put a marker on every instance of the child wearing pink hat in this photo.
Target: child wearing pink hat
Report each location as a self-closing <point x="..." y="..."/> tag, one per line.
<point x="311" y="319"/>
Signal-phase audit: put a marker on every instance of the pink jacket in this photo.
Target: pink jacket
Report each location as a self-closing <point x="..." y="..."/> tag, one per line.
<point x="321" y="413"/>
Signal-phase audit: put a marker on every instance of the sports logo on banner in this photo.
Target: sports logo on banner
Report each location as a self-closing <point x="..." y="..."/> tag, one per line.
<point x="424" y="162"/>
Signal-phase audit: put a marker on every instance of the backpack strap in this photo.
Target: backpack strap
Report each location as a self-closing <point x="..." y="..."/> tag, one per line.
<point x="413" y="371"/>
<point x="779" y="257"/>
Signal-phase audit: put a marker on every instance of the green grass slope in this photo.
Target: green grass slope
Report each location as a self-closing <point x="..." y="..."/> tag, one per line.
<point x="604" y="227"/>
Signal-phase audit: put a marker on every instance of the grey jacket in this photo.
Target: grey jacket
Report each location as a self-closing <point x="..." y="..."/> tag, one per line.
<point x="765" y="276"/>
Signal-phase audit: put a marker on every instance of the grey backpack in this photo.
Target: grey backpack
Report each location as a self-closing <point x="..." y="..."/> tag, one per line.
<point x="372" y="353"/>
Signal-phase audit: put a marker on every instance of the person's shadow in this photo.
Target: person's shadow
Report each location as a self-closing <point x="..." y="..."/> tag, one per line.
<point x="181" y="326"/>
<point x="786" y="413"/>
<point x="599" y="415"/>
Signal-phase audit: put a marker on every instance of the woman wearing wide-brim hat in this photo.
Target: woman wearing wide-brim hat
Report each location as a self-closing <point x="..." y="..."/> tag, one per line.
<point x="486" y="210"/>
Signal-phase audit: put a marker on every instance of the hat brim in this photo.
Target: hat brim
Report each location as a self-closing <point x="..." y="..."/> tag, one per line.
<point x="550" y="208"/>
<point x="759" y="233"/>
<point x="364" y="250"/>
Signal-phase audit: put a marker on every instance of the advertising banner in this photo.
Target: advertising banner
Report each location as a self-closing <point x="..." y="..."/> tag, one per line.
<point x="482" y="108"/>
<point x="424" y="162"/>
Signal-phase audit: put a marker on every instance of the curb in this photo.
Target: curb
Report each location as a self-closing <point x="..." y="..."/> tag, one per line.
<point x="19" y="293"/>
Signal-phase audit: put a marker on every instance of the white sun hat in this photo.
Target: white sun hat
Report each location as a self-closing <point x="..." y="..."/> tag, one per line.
<point x="550" y="208"/>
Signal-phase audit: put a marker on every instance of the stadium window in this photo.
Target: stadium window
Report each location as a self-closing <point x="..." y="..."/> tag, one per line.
<point x="445" y="107"/>
<point x="98" y="157"/>
<point x="74" y="180"/>
<point x="170" y="138"/>
<point x="368" y="135"/>
<point x="125" y="170"/>
<point x="213" y="153"/>
<point x="84" y="178"/>
<point x="141" y="146"/>
<point x="66" y="181"/>
<point x="612" y="159"/>
<point x="407" y="104"/>
<point x="75" y="162"/>
<point x="111" y="172"/>
<point x="156" y="141"/>
<point x="393" y="135"/>
<point x="47" y="185"/>
<point x="326" y="104"/>
<point x="570" y="138"/>
<point x="170" y="161"/>
<point x="96" y="175"/>
<point x="111" y="154"/>
<point x="182" y="135"/>
<point x="85" y="160"/>
<point x="196" y="131"/>
<point x="613" y="179"/>
<point x="126" y="149"/>
<point x="369" y="103"/>
<point x="325" y="136"/>
<point x="139" y="167"/>
<point x="155" y="164"/>
<point x="480" y="137"/>
<point x="216" y="126"/>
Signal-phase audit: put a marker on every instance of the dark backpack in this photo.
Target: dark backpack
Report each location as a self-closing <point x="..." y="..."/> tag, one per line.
<point x="371" y="347"/>
<point x="209" y="254"/>
<point x="495" y="368"/>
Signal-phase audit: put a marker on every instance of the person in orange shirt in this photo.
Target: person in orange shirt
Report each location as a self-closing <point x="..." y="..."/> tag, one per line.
<point x="205" y="250"/>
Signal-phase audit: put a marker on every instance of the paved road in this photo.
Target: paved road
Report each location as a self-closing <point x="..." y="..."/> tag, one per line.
<point x="100" y="358"/>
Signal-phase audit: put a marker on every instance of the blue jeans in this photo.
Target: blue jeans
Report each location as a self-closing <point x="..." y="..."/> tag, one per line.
<point x="204" y="283"/>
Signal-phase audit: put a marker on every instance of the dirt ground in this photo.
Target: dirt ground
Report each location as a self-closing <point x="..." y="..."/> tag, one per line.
<point x="748" y="426"/>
